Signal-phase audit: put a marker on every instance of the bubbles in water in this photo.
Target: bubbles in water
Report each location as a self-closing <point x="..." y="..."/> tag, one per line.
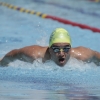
<point x="78" y="64"/>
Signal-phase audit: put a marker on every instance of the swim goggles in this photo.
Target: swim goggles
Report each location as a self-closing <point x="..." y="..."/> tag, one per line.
<point x="59" y="49"/>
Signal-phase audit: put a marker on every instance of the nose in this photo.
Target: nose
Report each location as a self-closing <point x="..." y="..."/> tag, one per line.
<point x="61" y="53"/>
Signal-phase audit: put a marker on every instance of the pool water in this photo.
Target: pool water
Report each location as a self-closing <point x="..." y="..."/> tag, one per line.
<point x="76" y="80"/>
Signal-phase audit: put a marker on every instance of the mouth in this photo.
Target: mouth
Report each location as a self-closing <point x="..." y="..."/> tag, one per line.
<point x="61" y="60"/>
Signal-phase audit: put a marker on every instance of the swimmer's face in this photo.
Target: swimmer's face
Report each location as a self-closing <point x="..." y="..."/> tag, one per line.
<point x="60" y="53"/>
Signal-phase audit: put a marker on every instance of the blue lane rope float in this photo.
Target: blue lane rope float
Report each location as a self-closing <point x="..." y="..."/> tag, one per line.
<point x="82" y="26"/>
<point x="69" y="8"/>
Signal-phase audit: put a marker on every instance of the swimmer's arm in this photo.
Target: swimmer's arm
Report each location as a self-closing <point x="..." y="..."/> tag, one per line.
<point x="14" y="55"/>
<point x="94" y="56"/>
<point x="9" y="57"/>
<point x="86" y="54"/>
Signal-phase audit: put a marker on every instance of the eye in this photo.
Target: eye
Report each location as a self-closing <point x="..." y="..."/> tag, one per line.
<point x="56" y="50"/>
<point x="66" y="49"/>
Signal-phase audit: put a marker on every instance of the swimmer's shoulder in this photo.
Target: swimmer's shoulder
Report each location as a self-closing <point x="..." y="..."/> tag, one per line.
<point x="80" y="49"/>
<point x="32" y="48"/>
<point x="81" y="53"/>
<point x="37" y="48"/>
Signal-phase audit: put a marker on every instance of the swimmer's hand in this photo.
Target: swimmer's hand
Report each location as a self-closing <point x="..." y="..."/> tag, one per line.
<point x="9" y="57"/>
<point x="2" y="63"/>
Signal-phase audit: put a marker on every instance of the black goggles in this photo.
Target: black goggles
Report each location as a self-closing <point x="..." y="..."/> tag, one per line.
<point x="59" y="49"/>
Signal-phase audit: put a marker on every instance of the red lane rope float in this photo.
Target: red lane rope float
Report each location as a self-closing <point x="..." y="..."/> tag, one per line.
<point x="50" y="17"/>
<point x="73" y="23"/>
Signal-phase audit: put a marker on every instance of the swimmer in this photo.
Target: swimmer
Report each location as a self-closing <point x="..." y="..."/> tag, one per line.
<point x="59" y="51"/>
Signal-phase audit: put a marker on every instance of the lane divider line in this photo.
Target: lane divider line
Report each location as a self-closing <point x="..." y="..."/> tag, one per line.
<point x="82" y="11"/>
<point x="95" y="0"/>
<point x="23" y="9"/>
<point x="82" y="26"/>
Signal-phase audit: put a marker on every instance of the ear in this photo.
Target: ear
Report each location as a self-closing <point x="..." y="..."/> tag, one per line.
<point x="50" y="50"/>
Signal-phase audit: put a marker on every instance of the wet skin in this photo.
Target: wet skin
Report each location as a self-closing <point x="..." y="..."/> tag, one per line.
<point x="31" y="53"/>
<point x="61" y="57"/>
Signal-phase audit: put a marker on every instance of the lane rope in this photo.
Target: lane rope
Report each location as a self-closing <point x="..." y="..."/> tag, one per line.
<point x="69" y="8"/>
<point x="95" y="0"/>
<point x="23" y="9"/>
<point x="82" y="26"/>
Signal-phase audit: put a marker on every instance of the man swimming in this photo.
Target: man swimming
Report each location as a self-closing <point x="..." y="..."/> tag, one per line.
<point x="59" y="51"/>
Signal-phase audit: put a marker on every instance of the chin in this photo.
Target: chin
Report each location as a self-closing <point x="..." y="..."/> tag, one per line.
<point x="61" y="64"/>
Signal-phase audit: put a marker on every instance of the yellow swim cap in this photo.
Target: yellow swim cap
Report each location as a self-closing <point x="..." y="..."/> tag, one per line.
<point x="59" y="35"/>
